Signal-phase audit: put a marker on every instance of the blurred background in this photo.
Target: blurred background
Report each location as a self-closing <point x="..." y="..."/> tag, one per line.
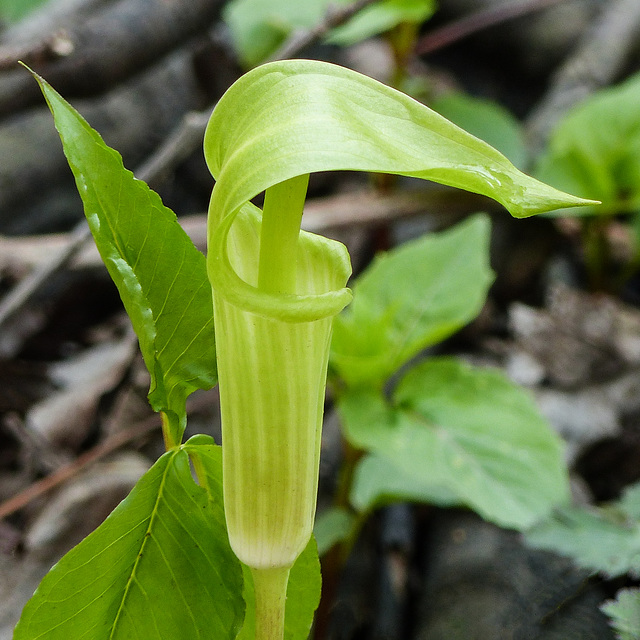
<point x="550" y="83"/>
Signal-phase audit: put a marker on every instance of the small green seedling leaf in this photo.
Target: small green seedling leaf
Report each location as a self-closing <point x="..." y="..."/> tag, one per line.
<point x="444" y="282"/>
<point x="488" y="121"/>
<point x="605" y="539"/>
<point x="160" y="274"/>
<point x="624" y="612"/>
<point x="467" y="433"/>
<point x="259" y="27"/>
<point x="303" y="596"/>
<point x="160" y="566"/>
<point x="379" y="18"/>
<point x="595" y="151"/>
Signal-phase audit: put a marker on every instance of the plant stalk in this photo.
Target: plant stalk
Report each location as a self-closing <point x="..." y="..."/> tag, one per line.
<point x="270" y="588"/>
<point x="167" y="432"/>
<point x="281" y="217"/>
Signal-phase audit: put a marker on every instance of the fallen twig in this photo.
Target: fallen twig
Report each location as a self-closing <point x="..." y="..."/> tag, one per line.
<point x="63" y="474"/>
<point x="300" y="40"/>
<point x="478" y="21"/>
<point x="112" y="45"/>
<point x="23" y="291"/>
<point x="195" y="403"/>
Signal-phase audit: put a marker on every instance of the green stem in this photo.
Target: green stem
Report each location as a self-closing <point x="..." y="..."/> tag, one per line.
<point x="270" y="588"/>
<point x="281" y="217"/>
<point x="168" y="432"/>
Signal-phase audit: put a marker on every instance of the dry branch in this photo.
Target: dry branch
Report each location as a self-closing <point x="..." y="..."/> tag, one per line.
<point x="36" y="186"/>
<point x="481" y="19"/>
<point x="112" y="45"/>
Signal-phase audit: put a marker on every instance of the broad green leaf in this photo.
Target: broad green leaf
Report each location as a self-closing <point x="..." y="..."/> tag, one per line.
<point x="377" y="481"/>
<point x="470" y="434"/>
<point x="303" y="596"/>
<point x="410" y="298"/>
<point x="487" y="120"/>
<point x="159" y="273"/>
<point x="595" y="151"/>
<point x="605" y="539"/>
<point x="293" y="117"/>
<point x="624" y="612"/>
<point x="159" y="567"/>
<point x="332" y="526"/>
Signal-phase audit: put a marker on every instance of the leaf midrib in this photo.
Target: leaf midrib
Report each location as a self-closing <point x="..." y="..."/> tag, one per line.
<point x="145" y="539"/>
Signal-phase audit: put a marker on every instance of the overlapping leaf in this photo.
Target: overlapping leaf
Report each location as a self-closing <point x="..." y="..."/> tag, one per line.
<point x="379" y="18"/>
<point x="160" y="567"/>
<point x="332" y="526"/>
<point x="378" y="481"/>
<point x="411" y="298"/>
<point x="487" y="120"/>
<point x="293" y="117"/>
<point x="470" y="435"/>
<point x="159" y="273"/>
<point x="603" y="539"/>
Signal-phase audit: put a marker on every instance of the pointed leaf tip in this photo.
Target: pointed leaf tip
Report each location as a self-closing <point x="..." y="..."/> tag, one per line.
<point x="315" y="116"/>
<point x="160" y="275"/>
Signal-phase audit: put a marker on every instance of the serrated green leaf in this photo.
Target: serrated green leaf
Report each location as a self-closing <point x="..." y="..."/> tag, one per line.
<point x="624" y="612"/>
<point x="595" y="151"/>
<point x="160" y="274"/>
<point x="467" y="432"/>
<point x="487" y="120"/>
<point x="303" y="596"/>
<point x="444" y="282"/>
<point x="603" y="540"/>
<point x="159" y="567"/>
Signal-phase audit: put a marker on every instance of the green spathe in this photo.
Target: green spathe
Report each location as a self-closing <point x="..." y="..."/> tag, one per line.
<point x="272" y="373"/>
<point x="286" y="119"/>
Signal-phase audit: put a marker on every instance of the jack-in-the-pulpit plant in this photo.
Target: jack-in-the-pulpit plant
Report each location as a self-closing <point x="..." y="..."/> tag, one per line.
<point x="160" y="566"/>
<point x="273" y="325"/>
<point x="275" y="294"/>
